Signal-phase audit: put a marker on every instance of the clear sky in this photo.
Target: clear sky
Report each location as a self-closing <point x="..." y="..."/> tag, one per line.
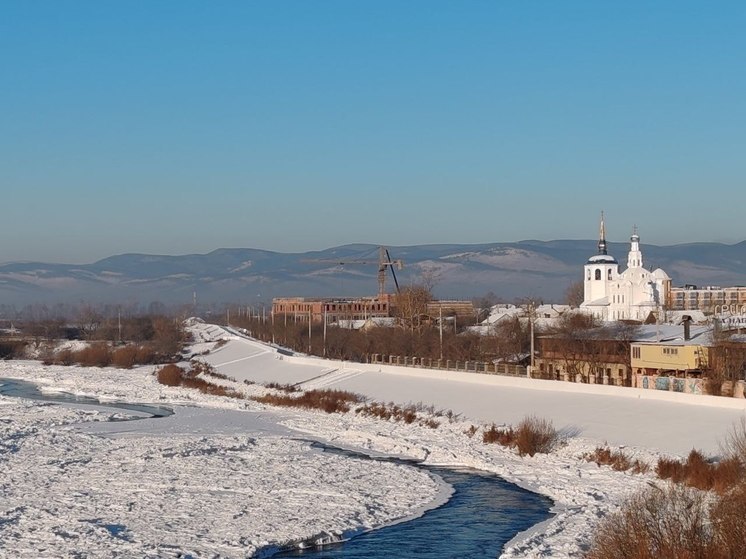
<point x="175" y="127"/>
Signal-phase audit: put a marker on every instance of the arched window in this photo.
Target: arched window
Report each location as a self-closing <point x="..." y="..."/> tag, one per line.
<point x="598" y="274"/>
<point x="589" y="274"/>
<point x="609" y="273"/>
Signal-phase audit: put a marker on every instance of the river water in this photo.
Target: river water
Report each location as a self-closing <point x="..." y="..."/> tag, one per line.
<point x="483" y="514"/>
<point x="22" y="389"/>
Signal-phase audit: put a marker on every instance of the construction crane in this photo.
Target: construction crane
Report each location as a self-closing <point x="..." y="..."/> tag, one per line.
<point x="384" y="262"/>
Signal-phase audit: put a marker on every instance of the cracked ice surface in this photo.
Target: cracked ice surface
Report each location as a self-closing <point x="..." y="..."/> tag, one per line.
<point x="184" y="488"/>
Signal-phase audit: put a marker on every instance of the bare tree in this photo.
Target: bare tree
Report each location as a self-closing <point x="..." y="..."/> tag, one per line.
<point x="89" y="321"/>
<point x="411" y="304"/>
<point x="575" y="294"/>
<point x="727" y="362"/>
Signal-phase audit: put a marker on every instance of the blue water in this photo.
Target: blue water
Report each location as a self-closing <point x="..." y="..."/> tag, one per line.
<point x="22" y="389"/>
<point x="484" y="513"/>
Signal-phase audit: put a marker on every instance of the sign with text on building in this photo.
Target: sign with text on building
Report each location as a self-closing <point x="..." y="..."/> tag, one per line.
<point x="728" y="310"/>
<point x="735" y="321"/>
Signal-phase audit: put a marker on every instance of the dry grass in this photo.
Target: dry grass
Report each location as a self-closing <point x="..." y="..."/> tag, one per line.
<point x="734" y="444"/>
<point x="728" y="520"/>
<point x="95" y="355"/>
<point x="669" y="523"/>
<point x="330" y="401"/>
<point x="220" y="343"/>
<point x="170" y="375"/>
<point x="289" y="388"/>
<point x="388" y="412"/>
<point x="103" y="355"/>
<point x="618" y="460"/>
<point x="406" y="414"/>
<point x="696" y="471"/>
<point x="504" y="436"/>
<point x="683" y="521"/>
<point x="676" y="522"/>
<point x="173" y="375"/>
<point x="533" y="435"/>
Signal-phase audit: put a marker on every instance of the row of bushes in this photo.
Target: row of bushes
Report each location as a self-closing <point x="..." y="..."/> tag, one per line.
<point x="699" y="473"/>
<point x="104" y="355"/>
<point x="696" y="471"/>
<point x="391" y="411"/>
<point x="330" y="401"/>
<point x="173" y="375"/>
<point x="675" y="522"/>
<point x="12" y="349"/>
<point x="699" y="515"/>
<point x="532" y="435"/>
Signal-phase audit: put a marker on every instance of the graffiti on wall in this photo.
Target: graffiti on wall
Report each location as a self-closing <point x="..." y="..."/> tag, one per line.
<point x="662" y="383"/>
<point x="684" y="385"/>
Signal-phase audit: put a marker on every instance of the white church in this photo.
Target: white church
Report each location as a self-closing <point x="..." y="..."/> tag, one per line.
<point x="630" y="295"/>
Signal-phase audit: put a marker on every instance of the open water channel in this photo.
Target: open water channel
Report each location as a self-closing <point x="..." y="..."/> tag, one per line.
<point x="483" y="514"/>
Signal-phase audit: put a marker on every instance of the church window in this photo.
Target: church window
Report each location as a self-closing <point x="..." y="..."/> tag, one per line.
<point x="598" y="274"/>
<point x="609" y="274"/>
<point x="589" y="275"/>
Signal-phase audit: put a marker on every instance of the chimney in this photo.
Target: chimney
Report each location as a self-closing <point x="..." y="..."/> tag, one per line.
<point x="687" y="329"/>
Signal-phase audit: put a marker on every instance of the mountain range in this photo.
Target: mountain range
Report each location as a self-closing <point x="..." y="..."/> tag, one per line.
<point x="540" y="269"/>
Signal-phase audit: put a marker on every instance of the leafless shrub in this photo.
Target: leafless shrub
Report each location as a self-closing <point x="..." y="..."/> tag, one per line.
<point x="389" y="411"/>
<point x="696" y="471"/>
<point x="170" y="375"/>
<point x="64" y="357"/>
<point x="671" y="523"/>
<point x="734" y="444"/>
<point x="471" y="431"/>
<point x="670" y="468"/>
<point x="12" y="349"/>
<point x="209" y="388"/>
<point x="504" y="436"/>
<point x="95" y="355"/>
<point x="220" y="343"/>
<point x="394" y="412"/>
<point x="145" y="355"/>
<point x="618" y="460"/>
<point x="124" y="357"/>
<point x="173" y="375"/>
<point x="727" y="517"/>
<point x="535" y="435"/>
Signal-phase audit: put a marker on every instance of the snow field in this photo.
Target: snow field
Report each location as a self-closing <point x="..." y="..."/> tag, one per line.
<point x="67" y="490"/>
<point x="211" y="443"/>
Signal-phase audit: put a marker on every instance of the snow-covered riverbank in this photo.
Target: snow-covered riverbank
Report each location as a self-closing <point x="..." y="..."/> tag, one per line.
<point x="226" y="477"/>
<point x="204" y="482"/>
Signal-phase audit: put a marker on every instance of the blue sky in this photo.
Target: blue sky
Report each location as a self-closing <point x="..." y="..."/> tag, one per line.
<point x="180" y="127"/>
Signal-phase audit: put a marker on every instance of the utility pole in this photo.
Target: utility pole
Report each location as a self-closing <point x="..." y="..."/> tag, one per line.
<point x="272" y="315"/>
<point x="440" y="327"/>
<point x="324" y="330"/>
<point x="531" y="320"/>
<point x="309" y="331"/>
<point x="119" y="321"/>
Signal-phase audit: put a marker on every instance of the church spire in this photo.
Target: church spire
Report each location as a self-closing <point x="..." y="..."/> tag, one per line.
<point x="602" y="236"/>
<point x="634" y="259"/>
